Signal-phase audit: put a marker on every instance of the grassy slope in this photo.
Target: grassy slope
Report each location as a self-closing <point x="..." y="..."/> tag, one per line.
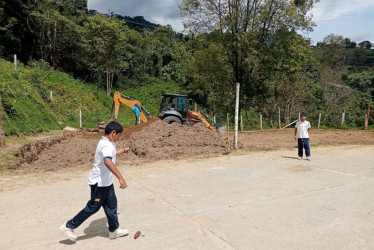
<point x="29" y="109"/>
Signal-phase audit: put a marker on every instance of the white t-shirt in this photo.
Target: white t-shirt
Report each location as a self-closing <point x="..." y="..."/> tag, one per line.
<point x="302" y="129"/>
<point x="100" y="173"/>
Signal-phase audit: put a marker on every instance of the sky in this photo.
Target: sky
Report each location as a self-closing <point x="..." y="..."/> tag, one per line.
<point x="349" y="18"/>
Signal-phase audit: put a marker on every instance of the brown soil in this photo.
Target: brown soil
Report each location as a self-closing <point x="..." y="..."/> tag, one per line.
<point x="169" y="141"/>
<point x="157" y="140"/>
<point x="284" y="138"/>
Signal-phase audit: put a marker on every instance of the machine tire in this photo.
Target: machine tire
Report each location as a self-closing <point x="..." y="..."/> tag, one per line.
<point x="201" y="124"/>
<point x="171" y="119"/>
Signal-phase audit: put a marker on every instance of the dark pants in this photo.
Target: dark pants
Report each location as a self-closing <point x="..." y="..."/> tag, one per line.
<point x="137" y="120"/>
<point x="100" y="197"/>
<point x="303" y="143"/>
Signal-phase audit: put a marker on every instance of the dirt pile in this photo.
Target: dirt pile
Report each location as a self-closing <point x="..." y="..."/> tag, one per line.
<point x="150" y="141"/>
<point x="159" y="140"/>
<point x="128" y="131"/>
<point x="31" y="151"/>
<point x="60" y="152"/>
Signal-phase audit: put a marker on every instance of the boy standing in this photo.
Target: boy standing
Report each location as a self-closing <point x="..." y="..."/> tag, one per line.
<point x="302" y="129"/>
<point x="136" y="110"/>
<point x="100" y="180"/>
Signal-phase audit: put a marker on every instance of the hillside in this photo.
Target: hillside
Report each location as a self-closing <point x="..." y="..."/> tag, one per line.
<point x="28" y="107"/>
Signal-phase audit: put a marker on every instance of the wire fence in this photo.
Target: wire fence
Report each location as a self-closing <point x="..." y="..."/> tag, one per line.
<point x="318" y="120"/>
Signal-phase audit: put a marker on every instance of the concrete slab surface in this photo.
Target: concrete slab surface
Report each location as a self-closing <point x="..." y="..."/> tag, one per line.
<point x="265" y="200"/>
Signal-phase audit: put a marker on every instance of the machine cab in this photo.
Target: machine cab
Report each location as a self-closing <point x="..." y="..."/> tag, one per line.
<point x="174" y="104"/>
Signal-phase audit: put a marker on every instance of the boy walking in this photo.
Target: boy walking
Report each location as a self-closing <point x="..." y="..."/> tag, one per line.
<point x="100" y="180"/>
<point x="302" y="129"/>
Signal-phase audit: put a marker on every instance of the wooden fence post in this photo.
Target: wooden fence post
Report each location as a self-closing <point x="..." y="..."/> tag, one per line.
<point x="260" y="121"/>
<point x="241" y="123"/>
<point x="236" y="116"/>
<point x="343" y="118"/>
<point x="319" y="120"/>
<point x="80" y="119"/>
<point x="2" y="134"/>
<point x="367" y="118"/>
<point x="228" y="122"/>
<point x="15" y="62"/>
<point x="228" y="130"/>
<point x="279" y="117"/>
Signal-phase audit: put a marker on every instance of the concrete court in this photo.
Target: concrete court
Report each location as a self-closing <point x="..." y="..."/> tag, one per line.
<point x="266" y="200"/>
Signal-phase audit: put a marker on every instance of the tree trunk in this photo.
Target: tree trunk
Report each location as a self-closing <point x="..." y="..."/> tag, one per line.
<point x="2" y="134"/>
<point x="53" y="52"/>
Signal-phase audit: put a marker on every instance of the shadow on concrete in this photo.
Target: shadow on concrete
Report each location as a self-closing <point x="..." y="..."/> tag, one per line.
<point x="290" y="157"/>
<point x="67" y="242"/>
<point x="96" y="228"/>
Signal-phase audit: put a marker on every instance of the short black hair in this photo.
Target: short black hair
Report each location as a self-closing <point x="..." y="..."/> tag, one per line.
<point x="302" y="114"/>
<point x="113" y="125"/>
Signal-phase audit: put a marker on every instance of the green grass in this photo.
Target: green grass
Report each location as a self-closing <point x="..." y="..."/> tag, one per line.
<point x="28" y="108"/>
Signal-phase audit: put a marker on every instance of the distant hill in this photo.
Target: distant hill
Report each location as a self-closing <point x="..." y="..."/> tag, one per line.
<point x="137" y="23"/>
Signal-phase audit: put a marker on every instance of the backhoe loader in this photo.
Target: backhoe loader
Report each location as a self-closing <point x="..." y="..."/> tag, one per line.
<point x="175" y="108"/>
<point x="119" y="98"/>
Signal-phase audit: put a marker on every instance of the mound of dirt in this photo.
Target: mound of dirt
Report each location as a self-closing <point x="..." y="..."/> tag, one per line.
<point x="154" y="140"/>
<point x="60" y="152"/>
<point x="159" y="140"/>
<point x="30" y="152"/>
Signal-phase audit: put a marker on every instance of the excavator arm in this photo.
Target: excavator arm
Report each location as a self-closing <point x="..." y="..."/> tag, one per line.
<point x="200" y="116"/>
<point x="119" y="98"/>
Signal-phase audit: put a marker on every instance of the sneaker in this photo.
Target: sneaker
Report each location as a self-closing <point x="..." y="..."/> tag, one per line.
<point x="69" y="233"/>
<point x="299" y="158"/>
<point x="308" y="158"/>
<point x="118" y="233"/>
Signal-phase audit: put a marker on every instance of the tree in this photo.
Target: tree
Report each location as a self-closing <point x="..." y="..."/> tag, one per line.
<point x="209" y="74"/>
<point x="365" y="45"/>
<point x="332" y="49"/>
<point x="257" y="37"/>
<point x="104" y="41"/>
<point x="349" y="44"/>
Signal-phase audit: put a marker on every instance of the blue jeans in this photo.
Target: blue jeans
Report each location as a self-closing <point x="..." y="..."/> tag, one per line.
<point x="137" y="120"/>
<point x="100" y="197"/>
<point x="303" y="143"/>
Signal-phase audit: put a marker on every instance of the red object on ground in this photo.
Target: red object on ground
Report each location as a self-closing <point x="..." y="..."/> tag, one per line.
<point x="137" y="234"/>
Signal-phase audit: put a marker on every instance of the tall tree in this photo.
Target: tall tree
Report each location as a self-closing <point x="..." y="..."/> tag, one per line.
<point x="104" y="42"/>
<point x="258" y="38"/>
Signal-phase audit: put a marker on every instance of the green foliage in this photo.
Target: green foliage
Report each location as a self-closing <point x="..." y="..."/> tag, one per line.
<point x="255" y="43"/>
<point x="104" y="43"/>
<point x="29" y="109"/>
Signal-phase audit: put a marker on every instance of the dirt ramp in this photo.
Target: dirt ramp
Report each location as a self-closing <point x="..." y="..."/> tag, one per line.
<point x="159" y="140"/>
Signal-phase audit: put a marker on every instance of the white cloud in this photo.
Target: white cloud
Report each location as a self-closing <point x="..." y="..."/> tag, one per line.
<point x="160" y="12"/>
<point x="344" y="17"/>
<point x="332" y="9"/>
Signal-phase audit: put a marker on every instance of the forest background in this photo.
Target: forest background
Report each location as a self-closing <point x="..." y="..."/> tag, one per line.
<point x="83" y="56"/>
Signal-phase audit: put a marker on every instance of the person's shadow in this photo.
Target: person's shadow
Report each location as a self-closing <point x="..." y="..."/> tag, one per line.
<point x="290" y="157"/>
<point x="96" y="228"/>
